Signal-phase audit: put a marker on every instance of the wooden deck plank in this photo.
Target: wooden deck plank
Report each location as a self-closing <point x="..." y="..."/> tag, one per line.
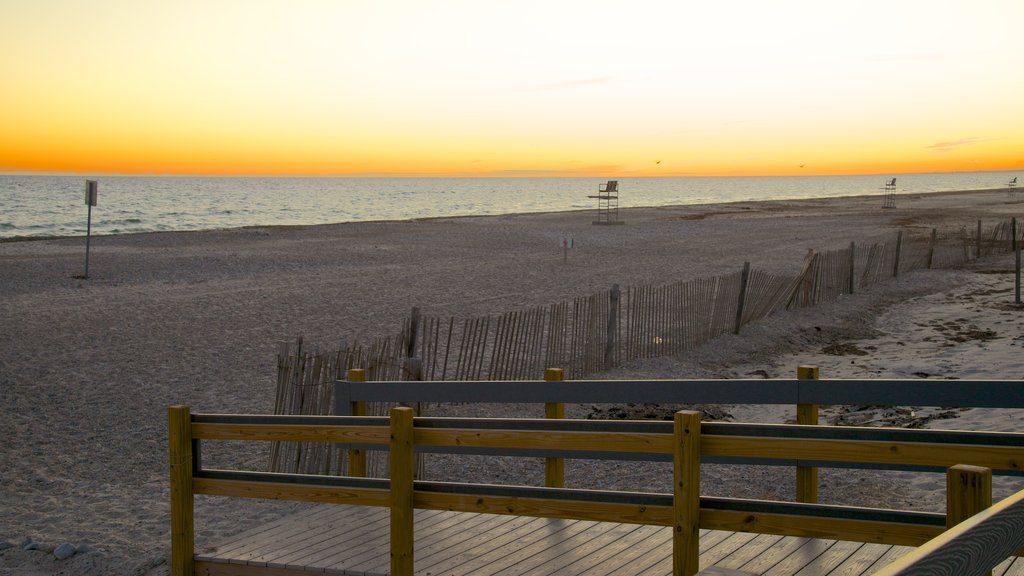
<point x="637" y="538"/>
<point x="860" y="561"/>
<point x="662" y="563"/>
<point x="550" y="534"/>
<point x="439" y="561"/>
<point x="343" y="559"/>
<point x="890" y="556"/>
<point x="355" y="534"/>
<point x="831" y="558"/>
<point x="344" y="537"/>
<point x="296" y="532"/>
<point x="774" y="554"/>
<point x="797" y="559"/>
<point x="354" y="540"/>
<point x="618" y="538"/>
<point x="725" y="548"/>
<point x="325" y="555"/>
<point x="1010" y="567"/>
<point x="256" y="533"/>
<point x="459" y="529"/>
<point x="519" y="563"/>
<point x="260" y="536"/>
<point x="755" y="547"/>
<point x="535" y="540"/>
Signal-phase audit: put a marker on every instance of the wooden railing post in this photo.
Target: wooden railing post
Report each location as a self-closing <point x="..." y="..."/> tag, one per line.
<point x="179" y="434"/>
<point x="357" y="456"/>
<point x="686" y="494"/>
<point x="807" y="414"/>
<point x="401" y="460"/>
<point x="968" y="491"/>
<point x="554" y="468"/>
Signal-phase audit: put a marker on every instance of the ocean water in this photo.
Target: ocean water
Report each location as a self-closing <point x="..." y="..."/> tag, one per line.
<point x="35" y="206"/>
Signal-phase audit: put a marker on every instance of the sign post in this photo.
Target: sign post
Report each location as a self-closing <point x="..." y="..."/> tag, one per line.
<point x="91" y="194"/>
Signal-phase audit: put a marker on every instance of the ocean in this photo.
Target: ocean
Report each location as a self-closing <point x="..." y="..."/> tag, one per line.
<point x="40" y="206"/>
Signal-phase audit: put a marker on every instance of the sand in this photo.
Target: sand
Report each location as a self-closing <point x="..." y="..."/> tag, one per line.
<point x="88" y="367"/>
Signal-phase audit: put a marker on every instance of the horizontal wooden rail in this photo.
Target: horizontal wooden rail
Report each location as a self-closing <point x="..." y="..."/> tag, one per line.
<point x="281" y="432"/>
<point x="548" y="440"/>
<point x="866" y="451"/>
<point x="889" y="392"/>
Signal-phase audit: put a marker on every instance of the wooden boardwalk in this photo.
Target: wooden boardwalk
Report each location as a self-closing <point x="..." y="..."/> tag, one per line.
<point x="353" y="540"/>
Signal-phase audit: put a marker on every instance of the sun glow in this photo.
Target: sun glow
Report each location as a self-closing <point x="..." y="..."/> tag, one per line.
<point x="510" y="88"/>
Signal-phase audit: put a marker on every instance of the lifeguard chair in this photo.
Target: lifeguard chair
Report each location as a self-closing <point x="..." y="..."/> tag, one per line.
<point x="890" y="194"/>
<point x="1010" y="186"/>
<point x="607" y="203"/>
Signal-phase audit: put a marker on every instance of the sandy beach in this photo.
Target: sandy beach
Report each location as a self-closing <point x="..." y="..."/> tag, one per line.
<point x="89" y="367"/>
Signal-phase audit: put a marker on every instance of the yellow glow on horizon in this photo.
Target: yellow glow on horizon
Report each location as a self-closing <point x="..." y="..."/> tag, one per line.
<point x="456" y="87"/>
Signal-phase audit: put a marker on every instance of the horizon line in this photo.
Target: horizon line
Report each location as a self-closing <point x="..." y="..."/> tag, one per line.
<point x="510" y="174"/>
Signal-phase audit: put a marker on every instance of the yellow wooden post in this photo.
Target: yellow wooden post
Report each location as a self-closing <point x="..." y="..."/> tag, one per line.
<point x="179" y="435"/>
<point x="554" y="468"/>
<point x="357" y="456"/>
<point x="968" y="491"/>
<point x="807" y="414"/>
<point x="686" y="494"/>
<point x="402" y="465"/>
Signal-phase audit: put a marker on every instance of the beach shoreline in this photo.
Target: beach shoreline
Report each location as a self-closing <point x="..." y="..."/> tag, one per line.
<point x="89" y="367"/>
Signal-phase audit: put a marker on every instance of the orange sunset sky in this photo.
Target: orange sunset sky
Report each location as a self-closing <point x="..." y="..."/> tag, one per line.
<point x="496" y="88"/>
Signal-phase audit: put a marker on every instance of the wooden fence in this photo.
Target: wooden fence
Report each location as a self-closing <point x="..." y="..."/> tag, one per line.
<point x="686" y="441"/>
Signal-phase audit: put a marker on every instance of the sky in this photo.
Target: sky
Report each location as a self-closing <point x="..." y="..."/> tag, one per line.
<point x="520" y="88"/>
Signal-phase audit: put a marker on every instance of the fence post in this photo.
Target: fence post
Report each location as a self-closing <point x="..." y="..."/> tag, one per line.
<point x="613" y="326"/>
<point x="807" y="414"/>
<point x="414" y="328"/>
<point x="977" y="249"/>
<point x="744" y="280"/>
<point x="401" y="464"/>
<point x="357" y="456"/>
<point x="899" y="248"/>
<point x="554" y="468"/>
<point x="853" y="265"/>
<point x="179" y="434"/>
<point x="686" y="494"/>
<point x="931" y="249"/>
<point x="968" y="491"/>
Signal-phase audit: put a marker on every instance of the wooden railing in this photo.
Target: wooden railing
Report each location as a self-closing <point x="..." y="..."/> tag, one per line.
<point x="971" y="548"/>
<point x="806" y="393"/>
<point x="686" y="441"/>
